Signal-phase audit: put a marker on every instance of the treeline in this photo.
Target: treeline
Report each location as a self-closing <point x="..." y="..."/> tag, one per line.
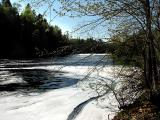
<point x="129" y="49"/>
<point x="28" y="35"/>
<point x="25" y="34"/>
<point x="88" y="45"/>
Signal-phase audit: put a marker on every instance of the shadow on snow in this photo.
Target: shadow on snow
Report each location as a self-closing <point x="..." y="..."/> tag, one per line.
<point x="72" y="60"/>
<point x="34" y="80"/>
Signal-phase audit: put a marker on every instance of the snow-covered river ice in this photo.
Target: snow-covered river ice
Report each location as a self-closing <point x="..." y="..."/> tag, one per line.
<point x="60" y="88"/>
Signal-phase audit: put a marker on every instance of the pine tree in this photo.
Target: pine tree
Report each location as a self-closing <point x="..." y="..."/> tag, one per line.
<point x="6" y="3"/>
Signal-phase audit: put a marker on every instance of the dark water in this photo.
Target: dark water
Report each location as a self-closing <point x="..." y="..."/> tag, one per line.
<point x="32" y="76"/>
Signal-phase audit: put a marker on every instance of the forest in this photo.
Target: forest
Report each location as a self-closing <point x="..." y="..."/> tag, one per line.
<point x="28" y="35"/>
<point x="132" y="50"/>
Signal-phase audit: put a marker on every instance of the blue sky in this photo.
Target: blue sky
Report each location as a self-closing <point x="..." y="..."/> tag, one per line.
<point x="70" y="24"/>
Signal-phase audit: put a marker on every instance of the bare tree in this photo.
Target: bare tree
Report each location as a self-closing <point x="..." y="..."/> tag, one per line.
<point x="133" y="15"/>
<point x="143" y="13"/>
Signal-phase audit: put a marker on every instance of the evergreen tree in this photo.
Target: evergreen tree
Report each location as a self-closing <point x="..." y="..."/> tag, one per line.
<point x="29" y="14"/>
<point x="26" y="35"/>
<point x="6" y="3"/>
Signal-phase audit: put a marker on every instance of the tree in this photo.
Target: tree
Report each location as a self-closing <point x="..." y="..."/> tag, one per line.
<point x="29" y="14"/>
<point x="9" y="22"/>
<point x="129" y="16"/>
<point x="26" y="35"/>
<point x="134" y="15"/>
<point x="6" y="3"/>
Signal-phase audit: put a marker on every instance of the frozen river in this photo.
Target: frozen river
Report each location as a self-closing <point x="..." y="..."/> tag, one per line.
<point x="63" y="88"/>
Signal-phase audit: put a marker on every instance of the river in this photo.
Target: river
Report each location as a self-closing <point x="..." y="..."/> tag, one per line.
<point x="61" y="88"/>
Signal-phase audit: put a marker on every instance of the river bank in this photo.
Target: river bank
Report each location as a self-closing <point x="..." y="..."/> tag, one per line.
<point x="55" y="88"/>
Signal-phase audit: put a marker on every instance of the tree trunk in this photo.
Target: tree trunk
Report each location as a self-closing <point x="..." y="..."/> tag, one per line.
<point x="150" y="59"/>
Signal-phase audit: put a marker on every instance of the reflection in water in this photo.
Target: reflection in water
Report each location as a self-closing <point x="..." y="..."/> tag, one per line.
<point x="32" y="75"/>
<point x="34" y="80"/>
<point x="73" y="60"/>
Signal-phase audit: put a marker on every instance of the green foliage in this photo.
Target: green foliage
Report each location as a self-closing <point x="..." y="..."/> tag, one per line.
<point x="28" y="34"/>
<point x="90" y="45"/>
<point x="127" y="49"/>
<point x="6" y="3"/>
<point x="29" y="14"/>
